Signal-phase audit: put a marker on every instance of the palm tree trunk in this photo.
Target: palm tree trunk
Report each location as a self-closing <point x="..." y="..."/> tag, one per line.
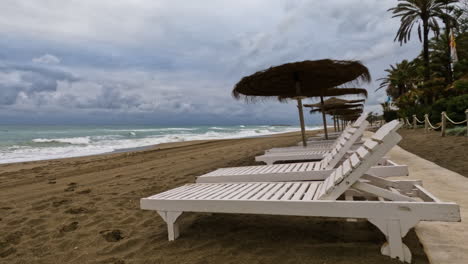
<point x="448" y="66"/>
<point x="427" y="71"/>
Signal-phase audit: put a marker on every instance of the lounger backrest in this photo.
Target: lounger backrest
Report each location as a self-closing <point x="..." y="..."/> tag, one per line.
<point x="366" y="156"/>
<point x="361" y="119"/>
<point x="351" y="128"/>
<point x="343" y="144"/>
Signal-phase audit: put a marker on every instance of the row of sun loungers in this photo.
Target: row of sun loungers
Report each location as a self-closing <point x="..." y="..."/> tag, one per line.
<point x="341" y="187"/>
<point x="337" y="149"/>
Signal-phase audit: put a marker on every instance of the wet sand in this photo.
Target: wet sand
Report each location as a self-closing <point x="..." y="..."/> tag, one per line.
<point x="86" y="210"/>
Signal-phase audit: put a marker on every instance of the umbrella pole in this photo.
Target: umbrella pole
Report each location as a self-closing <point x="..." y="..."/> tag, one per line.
<point x="334" y="122"/>
<point x="301" y="119"/>
<point x="324" y="118"/>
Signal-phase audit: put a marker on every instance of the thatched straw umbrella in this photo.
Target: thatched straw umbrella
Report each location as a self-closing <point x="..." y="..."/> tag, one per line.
<point x="330" y="105"/>
<point x="299" y="80"/>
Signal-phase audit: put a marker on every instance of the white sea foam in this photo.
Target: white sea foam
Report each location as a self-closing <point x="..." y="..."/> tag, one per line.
<point x="98" y="144"/>
<point x="73" y="140"/>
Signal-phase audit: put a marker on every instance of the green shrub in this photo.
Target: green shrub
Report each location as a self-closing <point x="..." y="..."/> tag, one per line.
<point x="454" y="107"/>
<point x="457" y="131"/>
<point x="390" y="115"/>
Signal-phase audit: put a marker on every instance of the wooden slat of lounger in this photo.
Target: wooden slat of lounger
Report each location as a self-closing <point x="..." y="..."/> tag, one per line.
<point x="172" y="192"/>
<point x="362" y="152"/>
<point x="347" y="136"/>
<point x="352" y="130"/>
<point x="355" y="161"/>
<point x="295" y="167"/>
<point x="269" y="169"/>
<point x="300" y="191"/>
<point x="204" y="192"/>
<point x="319" y="165"/>
<point x="272" y="191"/>
<point x="370" y="144"/>
<point x="190" y="188"/>
<point x="309" y="195"/>
<point x="236" y="192"/>
<point x="211" y="191"/>
<point x="227" y="190"/>
<point x="278" y="194"/>
<point x="283" y="168"/>
<point x="328" y="183"/>
<point x="221" y="188"/>
<point x="287" y="196"/>
<point x="276" y="168"/>
<point x="288" y="168"/>
<point x="255" y="191"/>
<point x="263" y="191"/>
<point x="264" y="169"/>
<point x="320" y="191"/>
<point x="339" y="175"/>
<point x="311" y="165"/>
<point x="252" y="186"/>
<point x="342" y="141"/>
<point x="346" y="167"/>
<point x="303" y="167"/>
<point x="192" y="191"/>
<point x="250" y="170"/>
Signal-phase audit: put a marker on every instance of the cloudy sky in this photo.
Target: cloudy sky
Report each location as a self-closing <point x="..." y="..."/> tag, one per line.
<point x="175" y="62"/>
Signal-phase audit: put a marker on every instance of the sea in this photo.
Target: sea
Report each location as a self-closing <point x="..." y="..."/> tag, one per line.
<point x="19" y="143"/>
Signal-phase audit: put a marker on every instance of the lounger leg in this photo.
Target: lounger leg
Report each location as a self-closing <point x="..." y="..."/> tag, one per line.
<point x="171" y="220"/>
<point x="349" y="197"/>
<point x="394" y="230"/>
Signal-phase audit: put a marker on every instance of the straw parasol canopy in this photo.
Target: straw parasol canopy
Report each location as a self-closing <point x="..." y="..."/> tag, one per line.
<point x="299" y="80"/>
<point x="333" y="102"/>
<point x="332" y="106"/>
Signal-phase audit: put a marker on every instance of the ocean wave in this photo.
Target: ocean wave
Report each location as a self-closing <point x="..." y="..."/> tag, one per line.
<point x="63" y="147"/>
<point x="73" y="140"/>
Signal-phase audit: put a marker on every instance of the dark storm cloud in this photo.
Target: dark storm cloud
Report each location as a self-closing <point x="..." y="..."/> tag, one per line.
<point x="177" y="58"/>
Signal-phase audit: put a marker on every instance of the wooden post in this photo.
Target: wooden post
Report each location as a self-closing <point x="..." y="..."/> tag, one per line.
<point x="466" y="116"/>
<point x="301" y="119"/>
<point x="324" y="117"/>
<point x="414" y="122"/>
<point x="426" y="124"/>
<point x="444" y="121"/>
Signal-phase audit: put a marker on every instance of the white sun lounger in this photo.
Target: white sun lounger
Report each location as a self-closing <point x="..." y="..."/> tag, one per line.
<point x="342" y="145"/>
<point x="393" y="206"/>
<point x="299" y="171"/>
<point x="315" y="144"/>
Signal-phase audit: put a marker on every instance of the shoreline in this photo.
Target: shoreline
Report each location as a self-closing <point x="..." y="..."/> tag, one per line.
<point x="148" y="147"/>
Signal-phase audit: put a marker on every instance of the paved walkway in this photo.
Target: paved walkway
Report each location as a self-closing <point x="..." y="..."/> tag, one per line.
<point x="442" y="242"/>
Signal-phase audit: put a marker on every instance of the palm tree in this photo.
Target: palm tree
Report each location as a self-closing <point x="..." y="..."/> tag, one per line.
<point x="399" y="80"/>
<point x="412" y="12"/>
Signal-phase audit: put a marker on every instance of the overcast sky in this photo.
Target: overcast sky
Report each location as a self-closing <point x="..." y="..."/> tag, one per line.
<point x="175" y="62"/>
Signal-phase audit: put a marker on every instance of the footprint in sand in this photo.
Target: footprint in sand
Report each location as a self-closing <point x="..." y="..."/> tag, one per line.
<point x="84" y="191"/>
<point x="71" y="187"/>
<point x="112" y="235"/>
<point x="70" y="227"/>
<point x="79" y="210"/>
<point x="60" y="202"/>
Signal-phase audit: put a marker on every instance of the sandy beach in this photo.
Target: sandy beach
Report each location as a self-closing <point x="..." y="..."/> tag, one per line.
<point x="86" y="210"/>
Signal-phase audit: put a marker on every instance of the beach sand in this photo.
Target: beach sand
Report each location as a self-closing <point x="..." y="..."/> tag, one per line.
<point x="86" y="210"/>
<point x="450" y="152"/>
